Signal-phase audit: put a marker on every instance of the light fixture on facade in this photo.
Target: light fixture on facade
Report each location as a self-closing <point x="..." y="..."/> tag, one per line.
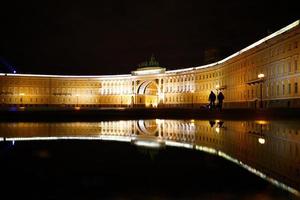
<point x="260" y="75"/>
<point x="261" y="140"/>
<point x="161" y="96"/>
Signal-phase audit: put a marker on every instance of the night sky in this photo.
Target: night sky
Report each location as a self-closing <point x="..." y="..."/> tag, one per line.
<point x="113" y="37"/>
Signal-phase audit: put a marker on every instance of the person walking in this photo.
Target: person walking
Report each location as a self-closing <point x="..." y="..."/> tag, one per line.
<point x="212" y="99"/>
<point x="220" y="100"/>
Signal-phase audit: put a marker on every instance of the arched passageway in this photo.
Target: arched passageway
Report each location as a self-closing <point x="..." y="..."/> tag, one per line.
<point x="147" y="94"/>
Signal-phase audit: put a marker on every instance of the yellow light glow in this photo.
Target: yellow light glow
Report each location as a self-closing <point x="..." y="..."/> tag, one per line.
<point x="151" y="144"/>
<point x="161" y="96"/>
<point x="77" y="108"/>
<point x="178" y="144"/>
<point x="159" y="121"/>
<point x="262" y="122"/>
<point x="260" y="75"/>
<point x="217" y="129"/>
<point x="261" y="140"/>
<point x="22" y="94"/>
<point x="110" y="138"/>
<point x="149" y="71"/>
<point x="217" y="86"/>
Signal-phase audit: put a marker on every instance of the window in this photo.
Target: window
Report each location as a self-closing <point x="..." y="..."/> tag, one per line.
<point x="283" y="89"/>
<point x="296" y="88"/>
<point x="271" y="90"/>
<point x="289" y="88"/>
<point x="296" y="65"/>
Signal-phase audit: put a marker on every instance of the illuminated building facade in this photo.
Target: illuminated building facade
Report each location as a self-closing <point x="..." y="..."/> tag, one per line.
<point x="275" y="58"/>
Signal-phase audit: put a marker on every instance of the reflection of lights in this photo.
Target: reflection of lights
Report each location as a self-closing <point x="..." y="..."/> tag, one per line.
<point x="260" y="174"/>
<point x="249" y="168"/>
<point x="261" y="140"/>
<point x="110" y="138"/>
<point x="151" y="144"/>
<point x="13" y="143"/>
<point x="206" y="149"/>
<point x="77" y="108"/>
<point x="116" y="138"/>
<point x="179" y="144"/>
<point x="47" y="138"/>
<point x="217" y="129"/>
<point x="261" y="122"/>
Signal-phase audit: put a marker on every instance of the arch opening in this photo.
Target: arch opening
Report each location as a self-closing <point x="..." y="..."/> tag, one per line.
<point x="147" y="94"/>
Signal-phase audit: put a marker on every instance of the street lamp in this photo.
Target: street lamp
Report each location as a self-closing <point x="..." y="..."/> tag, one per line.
<point x="261" y="138"/>
<point x="261" y="76"/>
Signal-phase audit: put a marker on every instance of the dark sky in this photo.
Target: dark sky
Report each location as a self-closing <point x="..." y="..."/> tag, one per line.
<point x="113" y="37"/>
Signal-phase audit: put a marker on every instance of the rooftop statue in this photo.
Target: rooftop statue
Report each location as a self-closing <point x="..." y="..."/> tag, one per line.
<point x="151" y="63"/>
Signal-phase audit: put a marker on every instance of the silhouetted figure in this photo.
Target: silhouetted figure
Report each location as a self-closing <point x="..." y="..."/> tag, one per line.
<point x="220" y="100"/>
<point x="212" y="99"/>
<point x="220" y="123"/>
<point x="212" y="123"/>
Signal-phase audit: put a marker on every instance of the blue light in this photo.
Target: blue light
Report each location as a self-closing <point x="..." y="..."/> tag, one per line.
<point x="15" y="71"/>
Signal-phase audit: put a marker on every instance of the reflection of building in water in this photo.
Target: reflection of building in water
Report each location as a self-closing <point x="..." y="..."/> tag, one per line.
<point x="276" y="56"/>
<point x="240" y="141"/>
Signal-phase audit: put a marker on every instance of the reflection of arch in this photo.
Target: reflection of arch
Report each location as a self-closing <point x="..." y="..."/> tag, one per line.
<point x="144" y="85"/>
<point x="143" y="128"/>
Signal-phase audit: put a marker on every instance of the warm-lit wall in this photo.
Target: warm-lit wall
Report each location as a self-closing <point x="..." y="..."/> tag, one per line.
<point x="277" y="57"/>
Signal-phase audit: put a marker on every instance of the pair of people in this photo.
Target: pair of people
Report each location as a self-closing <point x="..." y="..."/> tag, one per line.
<point x="212" y="98"/>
